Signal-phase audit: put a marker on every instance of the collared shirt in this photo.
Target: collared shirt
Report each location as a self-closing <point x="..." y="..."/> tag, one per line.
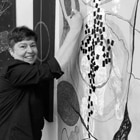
<point x="21" y="102"/>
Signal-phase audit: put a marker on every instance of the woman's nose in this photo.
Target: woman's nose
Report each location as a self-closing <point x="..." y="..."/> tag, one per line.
<point x="29" y="49"/>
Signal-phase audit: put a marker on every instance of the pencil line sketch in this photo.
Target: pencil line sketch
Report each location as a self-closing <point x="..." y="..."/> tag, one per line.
<point x="7" y="22"/>
<point x="4" y="6"/>
<point x="42" y="27"/>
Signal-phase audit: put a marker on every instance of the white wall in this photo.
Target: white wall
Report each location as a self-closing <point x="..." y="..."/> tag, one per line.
<point x="24" y="13"/>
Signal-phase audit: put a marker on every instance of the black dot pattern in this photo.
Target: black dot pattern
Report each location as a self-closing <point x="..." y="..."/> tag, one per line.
<point x="94" y="37"/>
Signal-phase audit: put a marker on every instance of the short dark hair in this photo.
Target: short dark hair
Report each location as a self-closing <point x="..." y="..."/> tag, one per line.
<point x="19" y="34"/>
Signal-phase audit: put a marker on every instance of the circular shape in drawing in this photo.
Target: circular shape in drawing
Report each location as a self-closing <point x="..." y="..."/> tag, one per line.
<point x="68" y="105"/>
<point x="43" y="42"/>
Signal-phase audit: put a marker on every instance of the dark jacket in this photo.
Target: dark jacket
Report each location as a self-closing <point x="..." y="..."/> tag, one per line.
<point x="21" y="102"/>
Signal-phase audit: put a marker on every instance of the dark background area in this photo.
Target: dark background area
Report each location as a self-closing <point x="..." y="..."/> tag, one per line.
<point x="7" y="22"/>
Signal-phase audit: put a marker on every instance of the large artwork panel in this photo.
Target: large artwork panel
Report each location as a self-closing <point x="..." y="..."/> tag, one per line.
<point x="44" y="25"/>
<point x="7" y="22"/>
<point x="98" y="94"/>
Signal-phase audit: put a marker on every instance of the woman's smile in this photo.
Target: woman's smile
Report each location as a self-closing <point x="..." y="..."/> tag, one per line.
<point x="25" y="50"/>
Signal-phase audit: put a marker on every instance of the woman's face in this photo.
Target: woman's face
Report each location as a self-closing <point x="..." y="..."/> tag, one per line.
<point x="25" y="50"/>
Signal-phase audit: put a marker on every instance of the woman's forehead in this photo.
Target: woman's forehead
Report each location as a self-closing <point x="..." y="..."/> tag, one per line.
<point x="31" y="41"/>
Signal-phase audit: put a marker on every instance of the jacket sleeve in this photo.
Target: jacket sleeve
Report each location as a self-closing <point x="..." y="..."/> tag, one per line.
<point x="26" y="74"/>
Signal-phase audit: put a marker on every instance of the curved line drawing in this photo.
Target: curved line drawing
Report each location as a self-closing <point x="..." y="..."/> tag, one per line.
<point x="4" y="7"/>
<point x="66" y="96"/>
<point x="64" y="130"/>
<point x="40" y="23"/>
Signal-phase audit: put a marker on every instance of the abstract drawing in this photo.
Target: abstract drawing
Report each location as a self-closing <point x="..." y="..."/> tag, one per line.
<point x="7" y="22"/>
<point x="96" y="94"/>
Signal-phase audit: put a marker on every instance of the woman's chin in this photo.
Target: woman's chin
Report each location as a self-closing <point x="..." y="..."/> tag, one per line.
<point x="30" y="61"/>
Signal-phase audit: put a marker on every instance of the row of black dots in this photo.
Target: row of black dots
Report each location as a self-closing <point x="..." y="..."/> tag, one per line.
<point x="84" y="51"/>
<point x="110" y="42"/>
<point x="88" y="117"/>
<point x="100" y="29"/>
<point x="95" y="31"/>
<point x="98" y="38"/>
<point x="106" y="54"/>
<point x="91" y="76"/>
<point x="90" y="104"/>
<point x="101" y="43"/>
<point x="86" y="26"/>
<point x="90" y="38"/>
<point x="92" y="81"/>
<point x="92" y="30"/>
<point x="87" y="31"/>
<point x="99" y="18"/>
<point x="93" y="47"/>
<point x="87" y="41"/>
<point x="90" y="108"/>
<point x="87" y="38"/>
<point x="96" y="42"/>
<point x="101" y="37"/>
<point x="106" y="61"/>
<point x="96" y="1"/>
<point x="97" y="56"/>
<point x="89" y="49"/>
<point x="85" y="45"/>
<point x="93" y="67"/>
<point x="93" y="63"/>
<point x="95" y="16"/>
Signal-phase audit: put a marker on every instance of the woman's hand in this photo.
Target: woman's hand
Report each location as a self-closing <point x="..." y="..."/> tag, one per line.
<point x="69" y="45"/>
<point x="75" y="20"/>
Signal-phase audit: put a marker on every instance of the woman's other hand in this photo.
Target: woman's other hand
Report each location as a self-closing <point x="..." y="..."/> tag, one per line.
<point x="75" y="20"/>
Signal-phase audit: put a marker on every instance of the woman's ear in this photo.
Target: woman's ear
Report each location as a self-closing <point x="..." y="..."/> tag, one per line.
<point x="10" y="51"/>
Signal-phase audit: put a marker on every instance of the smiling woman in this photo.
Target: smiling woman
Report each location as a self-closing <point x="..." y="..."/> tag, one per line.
<point x="23" y="45"/>
<point x="25" y="51"/>
<point x="20" y="80"/>
<point x="22" y="100"/>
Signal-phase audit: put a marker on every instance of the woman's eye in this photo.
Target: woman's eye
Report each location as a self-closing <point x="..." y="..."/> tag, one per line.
<point x="33" y="45"/>
<point x="23" y="47"/>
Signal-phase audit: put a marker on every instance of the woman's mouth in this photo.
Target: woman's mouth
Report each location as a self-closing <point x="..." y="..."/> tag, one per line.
<point x="30" y="57"/>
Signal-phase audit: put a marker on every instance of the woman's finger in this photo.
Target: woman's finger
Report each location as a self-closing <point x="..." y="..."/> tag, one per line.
<point x="73" y="12"/>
